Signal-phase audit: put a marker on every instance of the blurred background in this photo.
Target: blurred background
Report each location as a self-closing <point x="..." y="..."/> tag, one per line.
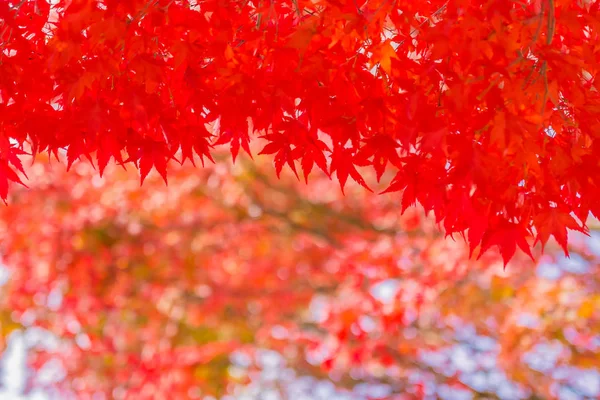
<point x="233" y="284"/>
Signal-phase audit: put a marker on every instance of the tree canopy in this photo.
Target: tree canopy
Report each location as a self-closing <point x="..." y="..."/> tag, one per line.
<point x="486" y="112"/>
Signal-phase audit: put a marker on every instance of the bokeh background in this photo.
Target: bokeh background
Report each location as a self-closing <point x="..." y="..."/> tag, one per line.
<point x="233" y="284"/>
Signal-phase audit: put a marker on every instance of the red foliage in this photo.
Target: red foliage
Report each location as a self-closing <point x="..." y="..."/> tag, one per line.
<point x="488" y="111"/>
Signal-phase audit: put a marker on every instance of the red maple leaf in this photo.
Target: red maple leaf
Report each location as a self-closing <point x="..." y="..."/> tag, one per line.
<point x="555" y="222"/>
<point x="342" y="162"/>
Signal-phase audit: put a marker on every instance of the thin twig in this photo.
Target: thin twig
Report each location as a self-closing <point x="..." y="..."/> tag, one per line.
<point x="415" y="30"/>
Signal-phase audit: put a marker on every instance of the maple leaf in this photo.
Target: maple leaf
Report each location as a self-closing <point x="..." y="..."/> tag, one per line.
<point x="498" y="131"/>
<point x="507" y="236"/>
<point x="296" y="143"/>
<point x="12" y="156"/>
<point x="435" y="142"/>
<point x="313" y="154"/>
<point x="153" y="154"/>
<point x="196" y="139"/>
<point x="403" y="183"/>
<point x="108" y="146"/>
<point x="283" y="152"/>
<point x="9" y="155"/>
<point x="417" y="181"/>
<point x="236" y="138"/>
<point x="303" y="35"/>
<point x="383" y="149"/>
<point x="7" y="174"/>
<point x="383" y="54"/>
<point x="342" y="162"/>
<point x="75" y="150"/>
<point x="477" y="228"/>
<point x="78" y="88"/>
<point x="555" y="222"/>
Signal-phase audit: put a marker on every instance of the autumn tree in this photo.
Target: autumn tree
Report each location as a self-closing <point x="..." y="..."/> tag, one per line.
<point x="158" y="292"/>
<point x="482" y="115"/>
<point x="484" y="112"/>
